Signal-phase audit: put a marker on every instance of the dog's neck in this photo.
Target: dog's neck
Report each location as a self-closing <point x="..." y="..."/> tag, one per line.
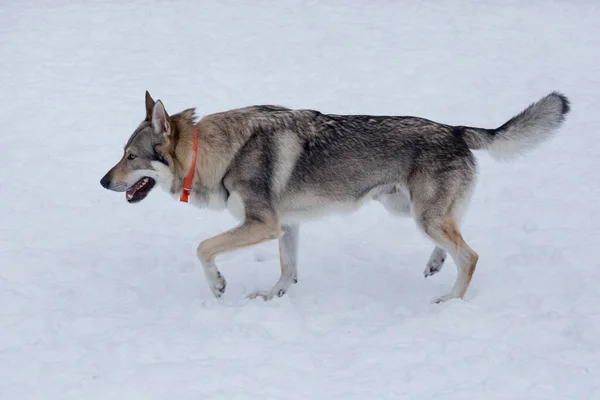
<point x="179" y="147"/>
<point x="218" y="144"/>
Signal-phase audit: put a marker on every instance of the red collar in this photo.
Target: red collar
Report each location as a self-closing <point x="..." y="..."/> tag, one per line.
<point x="187" y="181"/>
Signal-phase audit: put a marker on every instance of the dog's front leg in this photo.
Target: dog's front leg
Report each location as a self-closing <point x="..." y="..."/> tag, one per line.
<point x="252" y="231"/>
<point x="288" y="257"/>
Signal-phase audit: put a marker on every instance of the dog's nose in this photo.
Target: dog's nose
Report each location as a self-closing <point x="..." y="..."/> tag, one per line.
<point x="105" y="181"/>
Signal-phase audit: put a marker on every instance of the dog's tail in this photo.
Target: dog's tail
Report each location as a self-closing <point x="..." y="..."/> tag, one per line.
<point x="522" y="132"/>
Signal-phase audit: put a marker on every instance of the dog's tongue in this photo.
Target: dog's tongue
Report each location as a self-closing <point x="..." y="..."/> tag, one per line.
<point x="130" y="194"/>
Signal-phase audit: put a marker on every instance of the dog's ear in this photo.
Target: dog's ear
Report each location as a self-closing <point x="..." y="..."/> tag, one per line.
<point x="160" y="119"/>
<point x="149" y="106"/>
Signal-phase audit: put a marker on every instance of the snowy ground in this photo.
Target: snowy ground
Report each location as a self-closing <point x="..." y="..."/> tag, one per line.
<point x="105" y="300"/>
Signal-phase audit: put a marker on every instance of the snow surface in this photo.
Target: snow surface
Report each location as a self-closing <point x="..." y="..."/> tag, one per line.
<point x="105" y="300"/>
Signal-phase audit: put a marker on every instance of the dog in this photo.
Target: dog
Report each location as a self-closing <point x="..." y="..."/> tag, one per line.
<point x="273" y="167"/>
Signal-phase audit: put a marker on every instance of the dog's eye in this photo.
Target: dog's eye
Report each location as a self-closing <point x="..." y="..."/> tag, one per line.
<point x="131" y="157"/>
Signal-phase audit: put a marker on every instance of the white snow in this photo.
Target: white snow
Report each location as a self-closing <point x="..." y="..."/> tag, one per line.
<point x="100" y="299"/>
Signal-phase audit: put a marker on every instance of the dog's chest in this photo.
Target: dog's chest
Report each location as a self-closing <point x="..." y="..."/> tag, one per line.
<point x="211" y="199"/>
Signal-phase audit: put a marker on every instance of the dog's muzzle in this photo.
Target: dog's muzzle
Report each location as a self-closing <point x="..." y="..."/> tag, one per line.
<point x="105" y="181"/>
<point x="108" y="183"/>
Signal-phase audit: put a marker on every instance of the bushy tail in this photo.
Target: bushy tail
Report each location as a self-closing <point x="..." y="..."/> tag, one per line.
<point x="523" y="132"/>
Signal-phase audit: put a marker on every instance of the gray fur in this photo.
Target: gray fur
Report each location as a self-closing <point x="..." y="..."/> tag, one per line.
<point x="288" y="247"/>
<point x="523" y="132"/>
<point x="274" y="167"/>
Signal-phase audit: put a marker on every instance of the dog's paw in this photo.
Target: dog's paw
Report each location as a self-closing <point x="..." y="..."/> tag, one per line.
<point x="218" y="286"/>
<point x="280" y="288"/>
<point x="443" y="299"/>
<point x="266" y="295"/>
<point x="434" y="265"/>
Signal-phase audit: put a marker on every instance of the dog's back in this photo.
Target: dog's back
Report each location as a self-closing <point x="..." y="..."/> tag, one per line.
<point x="302" y="158"/>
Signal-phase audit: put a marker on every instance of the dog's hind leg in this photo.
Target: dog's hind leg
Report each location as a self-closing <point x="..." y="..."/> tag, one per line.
<point x="288" y="257"/>
<point x="438" y="203"/>
<point x="398" y="203"/>
<point x="444" y="231"/>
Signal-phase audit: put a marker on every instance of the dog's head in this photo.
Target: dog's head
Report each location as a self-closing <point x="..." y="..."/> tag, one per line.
<point x="146" y="158"/>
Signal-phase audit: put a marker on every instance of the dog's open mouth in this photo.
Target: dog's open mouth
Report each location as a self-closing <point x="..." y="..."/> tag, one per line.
<point x="140" y="190"/>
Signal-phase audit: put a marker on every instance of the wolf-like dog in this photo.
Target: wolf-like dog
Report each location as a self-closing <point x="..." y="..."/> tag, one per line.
<point x="273" y="167"/>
